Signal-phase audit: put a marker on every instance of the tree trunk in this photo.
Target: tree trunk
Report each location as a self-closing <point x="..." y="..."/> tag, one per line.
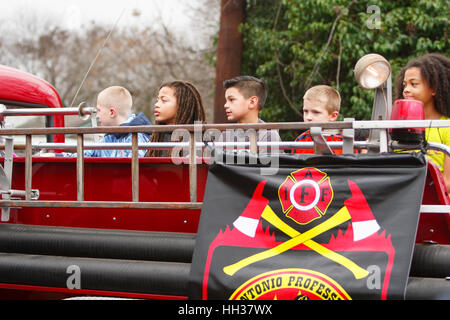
<point x="229" y="51"/>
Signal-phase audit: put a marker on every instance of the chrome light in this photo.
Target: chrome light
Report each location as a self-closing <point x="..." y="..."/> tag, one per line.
<point x="372" y="70"/>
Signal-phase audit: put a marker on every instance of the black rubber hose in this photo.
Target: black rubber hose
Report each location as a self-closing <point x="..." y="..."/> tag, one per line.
<point x="146" y="277"/>
<point x="431" y="260"/>
<point x="141" y="277"/>
<point x="427" y="289"/>
<point x="97" y="243"/>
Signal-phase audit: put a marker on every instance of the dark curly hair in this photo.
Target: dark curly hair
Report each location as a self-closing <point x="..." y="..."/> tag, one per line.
<point x="435" y="69"/>
<point x="190" y="109"/>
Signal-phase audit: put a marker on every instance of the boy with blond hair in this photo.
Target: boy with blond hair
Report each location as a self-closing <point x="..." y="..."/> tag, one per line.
<point x="114" y="108"/>
<point x="321" y="103"/>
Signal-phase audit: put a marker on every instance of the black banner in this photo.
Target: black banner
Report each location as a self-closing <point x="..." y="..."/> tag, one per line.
<point x="322" y="227"/>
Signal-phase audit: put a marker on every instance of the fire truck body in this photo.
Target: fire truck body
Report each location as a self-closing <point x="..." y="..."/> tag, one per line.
<point x="130" y="223"/>
<point x="109" y="180"/>
<point x="22" y="89"/>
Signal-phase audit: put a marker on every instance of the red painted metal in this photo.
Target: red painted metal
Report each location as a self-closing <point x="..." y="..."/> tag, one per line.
<point x="14" y="291"/>
<point x="434" y="227"/>
<point x="21" y="87"/>
<point x="109" y="179"/>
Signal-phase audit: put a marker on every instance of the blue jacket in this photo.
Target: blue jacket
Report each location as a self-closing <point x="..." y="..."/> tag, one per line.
<point x="133" y="120"/>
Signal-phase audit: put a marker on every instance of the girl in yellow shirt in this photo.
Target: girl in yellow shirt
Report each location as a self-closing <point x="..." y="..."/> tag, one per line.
<point x="427" y="79"/>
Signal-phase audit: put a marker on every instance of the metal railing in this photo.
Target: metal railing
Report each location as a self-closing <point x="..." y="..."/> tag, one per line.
<point x="193" y="145"/>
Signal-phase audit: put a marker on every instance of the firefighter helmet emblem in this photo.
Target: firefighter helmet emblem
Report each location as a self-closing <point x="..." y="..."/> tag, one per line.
<point x="305" y="195"/>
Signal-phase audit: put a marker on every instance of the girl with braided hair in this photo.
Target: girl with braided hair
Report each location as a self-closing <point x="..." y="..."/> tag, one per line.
<point x="427" y="79"/>
<point x="179" y="102"/>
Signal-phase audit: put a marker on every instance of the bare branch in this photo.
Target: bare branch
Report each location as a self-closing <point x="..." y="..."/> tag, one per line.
<point x="280" y="77"/>
<point x="290" y="103"/>
<point x="338" y="72"/>
<point x="324" y="50"/>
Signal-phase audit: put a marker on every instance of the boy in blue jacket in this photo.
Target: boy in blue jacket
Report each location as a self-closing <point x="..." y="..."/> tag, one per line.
<point x="114" y="109"/>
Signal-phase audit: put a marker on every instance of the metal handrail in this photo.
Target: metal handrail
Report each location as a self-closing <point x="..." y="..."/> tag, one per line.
<point x="41" y="112"/>
<point x="372" y="124"/>
<point x="100" y="204"/>
<point x="184" y="145"/>
<point x="83" y="111"/>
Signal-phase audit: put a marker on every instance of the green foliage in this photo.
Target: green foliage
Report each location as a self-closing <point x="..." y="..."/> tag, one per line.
<point x="295" y="44"/>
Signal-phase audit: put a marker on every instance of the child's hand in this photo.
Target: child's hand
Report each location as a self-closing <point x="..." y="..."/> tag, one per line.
<point x="46" y="154"/>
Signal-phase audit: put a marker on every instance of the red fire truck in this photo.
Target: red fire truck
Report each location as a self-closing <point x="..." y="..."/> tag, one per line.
<point x="131" y="223"/>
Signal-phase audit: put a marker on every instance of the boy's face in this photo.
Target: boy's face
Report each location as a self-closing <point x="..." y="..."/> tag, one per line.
<point x="105" y="114"/>
<point x="316" y="111"/>
<point x="237" y="107"/>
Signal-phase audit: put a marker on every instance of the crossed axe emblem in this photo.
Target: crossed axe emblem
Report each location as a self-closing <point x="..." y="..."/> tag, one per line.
<point x="355" y="209"/>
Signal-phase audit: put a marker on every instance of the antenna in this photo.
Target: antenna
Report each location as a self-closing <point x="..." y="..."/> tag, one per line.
<point x="96" y="57"/>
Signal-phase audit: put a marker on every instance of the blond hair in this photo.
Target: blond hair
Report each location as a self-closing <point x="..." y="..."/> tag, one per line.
<point x="117" y="97"/>
<point x="325" y="94"/>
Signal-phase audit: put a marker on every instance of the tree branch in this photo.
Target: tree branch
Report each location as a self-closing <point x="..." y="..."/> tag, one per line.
<point x="324" y="50"/>
<point x="338" y="72"/>
<point x="283" y="90"/>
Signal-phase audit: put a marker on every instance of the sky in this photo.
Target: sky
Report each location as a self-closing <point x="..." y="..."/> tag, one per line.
<point x="74" y="13"/>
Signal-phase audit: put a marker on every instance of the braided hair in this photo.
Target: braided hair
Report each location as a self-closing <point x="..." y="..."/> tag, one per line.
<point x="189" y="109"/>
<point x="435" y="69"/>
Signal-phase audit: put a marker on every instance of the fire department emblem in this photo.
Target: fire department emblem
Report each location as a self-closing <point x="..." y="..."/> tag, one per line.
<point x="305" y="195"/>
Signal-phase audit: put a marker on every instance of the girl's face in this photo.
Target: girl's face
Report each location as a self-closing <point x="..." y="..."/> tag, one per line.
<point x="416" y="87"/>
<point x="166" y="106"/>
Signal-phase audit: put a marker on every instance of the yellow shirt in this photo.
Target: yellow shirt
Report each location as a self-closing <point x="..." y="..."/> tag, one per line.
<point x="438" y="135"/>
